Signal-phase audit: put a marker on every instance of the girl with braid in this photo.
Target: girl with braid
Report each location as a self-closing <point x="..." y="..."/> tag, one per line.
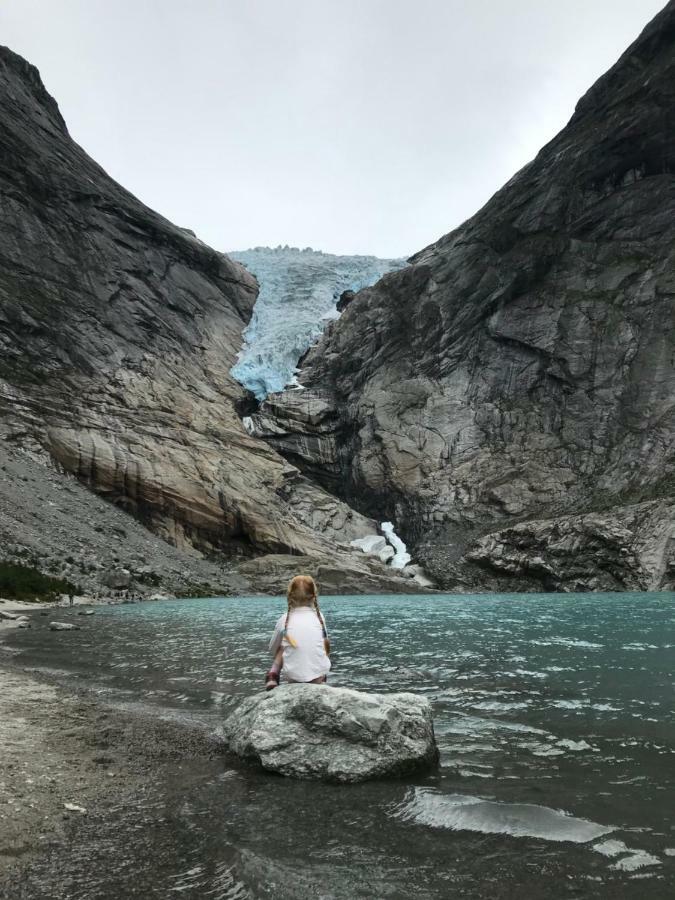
<point x="300" y="642"/>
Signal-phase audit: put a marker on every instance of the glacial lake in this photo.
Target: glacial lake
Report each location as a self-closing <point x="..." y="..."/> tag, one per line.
<point x="554" y="716"/>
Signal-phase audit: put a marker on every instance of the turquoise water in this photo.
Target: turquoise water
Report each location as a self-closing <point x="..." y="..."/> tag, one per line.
<point x="554" y="716"/>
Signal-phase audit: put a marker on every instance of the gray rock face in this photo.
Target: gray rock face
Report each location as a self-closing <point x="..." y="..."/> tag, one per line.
<point x="51" y="521"/>
<point x="631" y="548"/>
<point x="118" y="331"/>
<point x="118" y="579"/>
<point x="521" y="368"/>
<point x="334" y="734"/>
<point x="338" y="574"/>
<point x="63" y="626"/>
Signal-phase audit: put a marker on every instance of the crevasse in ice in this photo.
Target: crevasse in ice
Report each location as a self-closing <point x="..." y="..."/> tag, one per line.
<point x="299" y="290"/>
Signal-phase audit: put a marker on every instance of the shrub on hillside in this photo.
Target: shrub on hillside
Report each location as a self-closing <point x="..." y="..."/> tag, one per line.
<point x="19" y="582"/>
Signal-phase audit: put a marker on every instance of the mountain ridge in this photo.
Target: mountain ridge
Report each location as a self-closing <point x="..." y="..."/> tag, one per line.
<point x="118" y="331"/>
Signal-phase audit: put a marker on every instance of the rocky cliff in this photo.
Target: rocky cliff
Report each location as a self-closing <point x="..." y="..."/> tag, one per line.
<point x="517" y="380"/>
<point x="118" y="331"/>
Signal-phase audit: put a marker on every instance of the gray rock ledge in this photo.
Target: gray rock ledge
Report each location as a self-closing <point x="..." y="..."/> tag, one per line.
<point x="333" y="734"/>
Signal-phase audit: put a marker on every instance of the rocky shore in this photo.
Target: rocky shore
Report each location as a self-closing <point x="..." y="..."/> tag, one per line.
<point x="66" y="764"/>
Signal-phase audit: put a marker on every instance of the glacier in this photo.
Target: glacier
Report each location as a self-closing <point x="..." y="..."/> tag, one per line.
<point x="299" y="290"/>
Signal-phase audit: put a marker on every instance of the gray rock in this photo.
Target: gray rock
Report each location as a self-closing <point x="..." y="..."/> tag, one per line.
<point x="117" y="579"/>
<point x="339" y="573"/>
<point x="63" y="626"/>
<point x="419" y="576"/>
<point x="520" y="369"/>
<point x="630" y="548"/>
<point x="333" y="734"/>
<point x="118" y="331"/>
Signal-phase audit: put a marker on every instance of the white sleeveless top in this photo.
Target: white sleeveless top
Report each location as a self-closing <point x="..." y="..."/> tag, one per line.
<point x="309" y="659"/>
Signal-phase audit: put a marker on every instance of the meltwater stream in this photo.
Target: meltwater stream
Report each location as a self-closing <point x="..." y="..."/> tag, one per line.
<point x="554" y="717"/>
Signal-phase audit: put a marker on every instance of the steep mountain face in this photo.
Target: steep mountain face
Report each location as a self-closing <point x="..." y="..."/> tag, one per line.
<point x="299" y="294"/>
<point x="118" y="332"/>
<point x="522" y="368"/>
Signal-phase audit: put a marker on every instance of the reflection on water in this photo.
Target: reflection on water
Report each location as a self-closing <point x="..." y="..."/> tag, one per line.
<point x="461" y="812"/>
<point x="554" y="718"/>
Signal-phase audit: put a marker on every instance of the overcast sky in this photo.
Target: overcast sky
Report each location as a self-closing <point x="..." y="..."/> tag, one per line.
<point x="364" y="126"/>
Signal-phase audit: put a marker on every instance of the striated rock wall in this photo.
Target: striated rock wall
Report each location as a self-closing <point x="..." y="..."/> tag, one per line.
<point x="522" y="367"/>
<point x="118" y="332"/>
<point x="626" y="548"/>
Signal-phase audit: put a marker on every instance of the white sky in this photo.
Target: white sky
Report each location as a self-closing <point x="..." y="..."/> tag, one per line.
<point x="365" y="126"/>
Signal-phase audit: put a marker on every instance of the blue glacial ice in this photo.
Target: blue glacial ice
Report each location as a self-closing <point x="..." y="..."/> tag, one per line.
<point x="299" y="290"/>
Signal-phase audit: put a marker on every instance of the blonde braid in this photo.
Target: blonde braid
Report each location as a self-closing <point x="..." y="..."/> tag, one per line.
<point x="285" y="634"/>
<point x="326" y="642"/>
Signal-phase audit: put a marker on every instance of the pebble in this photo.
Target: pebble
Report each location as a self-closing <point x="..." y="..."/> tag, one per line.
<point x="73" y="807"/>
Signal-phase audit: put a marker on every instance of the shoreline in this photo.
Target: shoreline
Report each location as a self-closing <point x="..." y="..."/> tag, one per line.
<point x="69" y="761"/>
<point x="19" y="609"/>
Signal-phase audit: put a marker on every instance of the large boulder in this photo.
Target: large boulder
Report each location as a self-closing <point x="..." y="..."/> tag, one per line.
<point x="334" y="734"/>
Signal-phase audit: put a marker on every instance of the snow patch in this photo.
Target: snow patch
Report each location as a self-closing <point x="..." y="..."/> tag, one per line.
<point x="374" y="545"/>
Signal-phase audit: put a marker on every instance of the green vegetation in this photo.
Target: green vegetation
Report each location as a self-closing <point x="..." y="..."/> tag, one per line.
<point x="198" y="589"/>
<point x="19" y="582"/>
<point x="151" y="578"/>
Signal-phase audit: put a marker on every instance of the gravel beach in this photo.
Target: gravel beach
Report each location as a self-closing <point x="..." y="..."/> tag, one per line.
<point x="68" y="763"/>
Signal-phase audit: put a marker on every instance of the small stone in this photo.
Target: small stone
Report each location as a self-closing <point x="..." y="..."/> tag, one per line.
<point x="73" y="807"/>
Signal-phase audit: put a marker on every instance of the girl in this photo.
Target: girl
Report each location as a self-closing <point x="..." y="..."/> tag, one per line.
<point x="300" y="643"/>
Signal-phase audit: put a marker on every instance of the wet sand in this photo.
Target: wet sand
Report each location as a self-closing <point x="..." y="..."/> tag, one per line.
<point x="49" y="757"/>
